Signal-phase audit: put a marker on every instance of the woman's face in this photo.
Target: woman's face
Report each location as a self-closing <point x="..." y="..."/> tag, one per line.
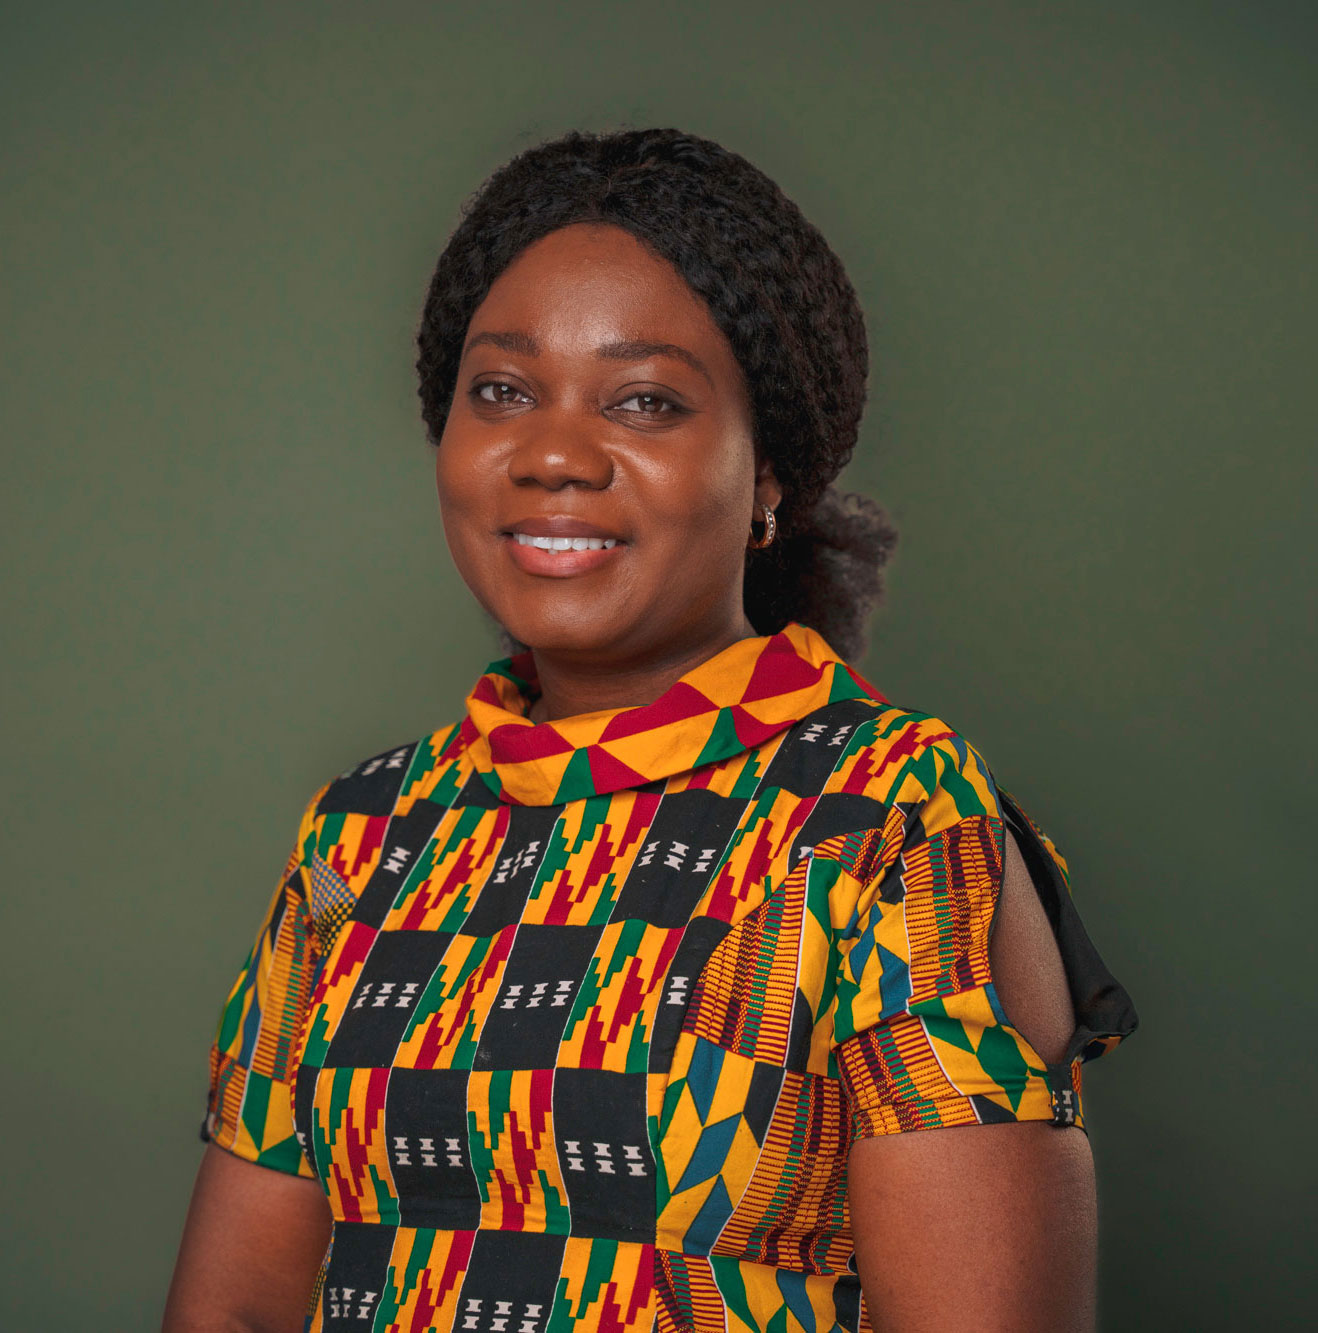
<point x="599" y="406"/>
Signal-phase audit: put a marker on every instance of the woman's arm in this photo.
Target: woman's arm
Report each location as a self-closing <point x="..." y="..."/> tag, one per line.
<point x="976" y="1229"/>
<point x="986" y="1228"/>
<point x="252" y="1245"/>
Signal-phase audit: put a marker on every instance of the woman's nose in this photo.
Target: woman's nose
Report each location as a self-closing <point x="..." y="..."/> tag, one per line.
<point x="558" y="455"/>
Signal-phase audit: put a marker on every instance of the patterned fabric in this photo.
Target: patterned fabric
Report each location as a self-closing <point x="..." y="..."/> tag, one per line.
<point x="575" y="1022"/>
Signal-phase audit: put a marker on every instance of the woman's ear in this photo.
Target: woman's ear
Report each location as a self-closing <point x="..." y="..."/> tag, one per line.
<point x="767" y="490"/>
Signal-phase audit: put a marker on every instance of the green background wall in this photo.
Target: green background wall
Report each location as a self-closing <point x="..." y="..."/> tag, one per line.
<point x="1084" y="237"/>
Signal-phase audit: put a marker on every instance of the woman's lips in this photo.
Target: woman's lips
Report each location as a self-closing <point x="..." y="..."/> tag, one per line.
<point x="561" y="555"/>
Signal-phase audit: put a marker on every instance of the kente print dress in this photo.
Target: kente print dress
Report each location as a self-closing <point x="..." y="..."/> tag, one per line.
<point x="575" y="1022"/>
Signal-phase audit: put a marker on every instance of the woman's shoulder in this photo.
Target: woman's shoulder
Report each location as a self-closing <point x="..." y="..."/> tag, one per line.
<point x="916" y="776"/>
<point x="402" y="773"/>
<point x="897" y="754"/>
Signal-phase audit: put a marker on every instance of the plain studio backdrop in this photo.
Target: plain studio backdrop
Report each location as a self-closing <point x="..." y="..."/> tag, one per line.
<point x="1083" y="236"/>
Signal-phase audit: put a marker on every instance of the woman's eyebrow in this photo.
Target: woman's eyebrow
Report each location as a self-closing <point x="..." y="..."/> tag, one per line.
<point x="521" y="343"/>
<point x="637" y="350"/>
<point x="634" y="349"/>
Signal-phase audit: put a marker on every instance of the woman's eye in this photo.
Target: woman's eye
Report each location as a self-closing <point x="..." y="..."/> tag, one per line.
<point x="495" y="392"/>
<point x="648" y="403"/>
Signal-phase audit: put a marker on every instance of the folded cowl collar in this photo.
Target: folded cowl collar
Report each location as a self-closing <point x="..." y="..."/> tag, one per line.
<point x="734" y="701"/>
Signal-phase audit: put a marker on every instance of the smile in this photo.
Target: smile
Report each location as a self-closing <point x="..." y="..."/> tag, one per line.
<point x="564" y="543"/>
<point x="561" y="555"/>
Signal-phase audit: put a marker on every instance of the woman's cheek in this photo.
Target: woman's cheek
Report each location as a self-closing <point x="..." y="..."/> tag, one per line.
<point x="714" y="516"/>
<point x="710" y="483"/>
<point x="464" y="528"/>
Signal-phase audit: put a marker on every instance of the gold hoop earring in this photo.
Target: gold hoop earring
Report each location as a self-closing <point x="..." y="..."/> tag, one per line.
<point x="770" y="528"/>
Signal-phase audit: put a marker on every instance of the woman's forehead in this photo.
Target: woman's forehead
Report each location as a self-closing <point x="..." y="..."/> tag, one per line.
<point x="592" y="284"/>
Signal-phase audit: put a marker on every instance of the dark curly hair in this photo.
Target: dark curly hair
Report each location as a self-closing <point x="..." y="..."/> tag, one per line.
<point x="772" y="285"/>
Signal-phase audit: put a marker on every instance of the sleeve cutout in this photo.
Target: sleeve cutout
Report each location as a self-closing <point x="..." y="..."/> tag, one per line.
<point x="1105" y="1013"/>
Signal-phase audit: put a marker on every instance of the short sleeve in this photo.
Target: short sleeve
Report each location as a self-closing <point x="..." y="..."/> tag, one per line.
<point x="922" y="1039"/>
<point x="253" y="1056"/>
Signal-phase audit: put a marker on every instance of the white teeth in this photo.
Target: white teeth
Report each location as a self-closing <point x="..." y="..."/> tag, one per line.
<point x="565" y="543"/>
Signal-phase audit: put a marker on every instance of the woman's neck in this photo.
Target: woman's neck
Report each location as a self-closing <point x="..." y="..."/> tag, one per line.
<point x="569" y="686"/>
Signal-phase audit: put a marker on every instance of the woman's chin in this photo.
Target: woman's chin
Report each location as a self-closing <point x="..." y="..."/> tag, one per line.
<point x="561" y="636"/>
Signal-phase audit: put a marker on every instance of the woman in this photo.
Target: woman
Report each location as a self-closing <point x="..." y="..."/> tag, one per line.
<point x="665" y="987"/>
